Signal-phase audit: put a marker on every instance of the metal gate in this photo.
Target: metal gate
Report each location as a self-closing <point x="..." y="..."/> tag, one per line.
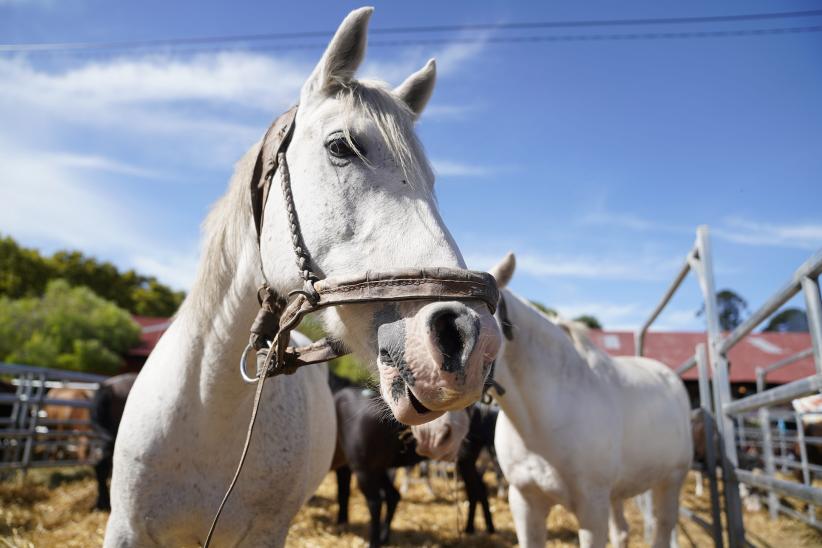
<point x="29" y="438"/>
<point x="717" y="403"/>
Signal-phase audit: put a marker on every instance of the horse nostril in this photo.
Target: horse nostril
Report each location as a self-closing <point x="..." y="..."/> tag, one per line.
<point x="447" y="336"/>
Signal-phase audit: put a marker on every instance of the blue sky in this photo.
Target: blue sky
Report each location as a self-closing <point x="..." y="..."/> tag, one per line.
<point x="593" y="161"/>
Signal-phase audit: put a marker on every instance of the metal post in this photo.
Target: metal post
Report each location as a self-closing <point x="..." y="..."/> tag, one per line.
<point x="710" y="445"/>
<point x="803" y="458"/>
<point x="783" y="445"/>
<point x="713" y="484"/>
<point x="740" y="424"/>
<point x="767" y="444"/>
<point x="810" y="287"/>
<point x="704" y="385"/>
<point x="722" y="389"/>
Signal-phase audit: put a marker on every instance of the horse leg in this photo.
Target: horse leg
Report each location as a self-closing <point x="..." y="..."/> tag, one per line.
<point x="392" y="499"/>
<point x="666" y="511"/>
<point x="592" y="515"/>
<point x="482" y="493"/>
<point x="464" y="468"/>
<point x="698" y="481"/>
<point x="618" y="525"/>
<point x="370" y="484"/>
<point x="102" y="470"/>
<point x="529" y="513"/>
<point x="343" y="493"/>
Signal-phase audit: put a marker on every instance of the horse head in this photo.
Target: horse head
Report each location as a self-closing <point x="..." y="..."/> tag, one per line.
<point x="441" y="438"/>
<point x="364" y="194"/>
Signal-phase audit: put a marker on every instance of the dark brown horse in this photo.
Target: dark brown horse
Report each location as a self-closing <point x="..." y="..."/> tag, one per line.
<point x="106" y="413"/>
<point x="480" y="436"/>
<point x="370" y="444"/>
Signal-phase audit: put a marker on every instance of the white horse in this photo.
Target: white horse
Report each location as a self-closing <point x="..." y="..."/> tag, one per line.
<point x="583" y="430"/>
<point x="363" y="192"/>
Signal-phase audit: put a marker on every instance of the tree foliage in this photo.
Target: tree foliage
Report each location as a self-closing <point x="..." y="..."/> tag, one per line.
<point x="67" y="328"/>
<point x="731" y="309"/>
<point x="26" y="273"/>
<point x="589" y="320"/>
<point x="789" y="320"/>
<point x="544" y="309"/>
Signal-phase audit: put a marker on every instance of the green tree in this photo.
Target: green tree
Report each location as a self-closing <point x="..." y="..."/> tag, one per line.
<point x="731" y="309"/>
<point x="352" y="369"/>
<point x="789" y="320"/>
<point x="589" y="320"/>
<point x="25" y="273"/>
<point x="544" y="309"/>
<point x="68" y="327"/>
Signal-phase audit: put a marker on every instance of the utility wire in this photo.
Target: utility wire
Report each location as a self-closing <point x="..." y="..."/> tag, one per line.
<point x="554" y="38"/>
<point x="172" y="42"/>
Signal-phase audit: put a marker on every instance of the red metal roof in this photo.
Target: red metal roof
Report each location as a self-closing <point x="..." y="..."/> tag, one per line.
<point x="671" y="348"/>
<point x="755" y="350"/>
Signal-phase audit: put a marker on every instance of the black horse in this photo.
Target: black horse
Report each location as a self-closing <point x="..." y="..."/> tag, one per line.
<point x="106" y="413"/>
<point x="370" y="443"/>
<point x="480" y="436"/>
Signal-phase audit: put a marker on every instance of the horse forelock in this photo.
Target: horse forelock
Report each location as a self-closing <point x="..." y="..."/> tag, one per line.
<point x="394" y="121"/>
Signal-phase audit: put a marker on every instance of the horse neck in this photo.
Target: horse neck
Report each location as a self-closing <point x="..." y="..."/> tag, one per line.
<point x="538" y="369"/>
<point x="213" y="342"/>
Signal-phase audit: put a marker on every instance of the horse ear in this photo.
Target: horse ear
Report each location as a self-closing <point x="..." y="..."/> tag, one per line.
<point x="504" y="270"/>
<point x="343" y="55"/>
<point x="417" y="88"/>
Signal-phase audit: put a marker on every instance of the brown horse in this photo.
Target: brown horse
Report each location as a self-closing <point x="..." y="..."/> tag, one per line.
<point x="71" y="419"/>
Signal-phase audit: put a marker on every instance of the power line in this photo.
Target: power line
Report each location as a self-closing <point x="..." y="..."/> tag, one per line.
<point x="173" y="42"/>
<point x="555" y="38"/>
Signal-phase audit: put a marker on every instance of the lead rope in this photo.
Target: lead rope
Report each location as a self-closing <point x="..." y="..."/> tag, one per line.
<point x="261" y="374"/>
<point x="303" y="262"/>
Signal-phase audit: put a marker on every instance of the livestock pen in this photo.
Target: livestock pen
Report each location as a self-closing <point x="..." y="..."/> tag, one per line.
<point x="718" y="407"/>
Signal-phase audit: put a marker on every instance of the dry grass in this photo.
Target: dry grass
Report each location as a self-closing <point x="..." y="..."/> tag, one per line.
<point x="51" y="508"/>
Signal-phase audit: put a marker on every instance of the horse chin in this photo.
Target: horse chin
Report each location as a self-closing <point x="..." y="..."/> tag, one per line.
<point x="405" y="413"/>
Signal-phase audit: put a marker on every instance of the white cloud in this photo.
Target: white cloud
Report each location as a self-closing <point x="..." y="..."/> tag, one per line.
<point x="629" y="268"/>
<point x="807" y="235"/>
<point x="99" y="163"/>
<point x="41" y="200"/>
<point x="446" y="168"/>
<point x="250" y="79"/>
<point x="192" y="110"/>
<point x="677" y="320"/>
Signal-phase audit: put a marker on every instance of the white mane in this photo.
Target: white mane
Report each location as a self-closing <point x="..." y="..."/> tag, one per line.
<point x="580" y="335"/>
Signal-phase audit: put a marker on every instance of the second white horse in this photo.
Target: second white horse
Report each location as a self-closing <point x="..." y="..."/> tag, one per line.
<point x="584" y="430"/>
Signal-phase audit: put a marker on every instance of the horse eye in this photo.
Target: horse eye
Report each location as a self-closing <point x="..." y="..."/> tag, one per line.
<point x="340" y="148"/>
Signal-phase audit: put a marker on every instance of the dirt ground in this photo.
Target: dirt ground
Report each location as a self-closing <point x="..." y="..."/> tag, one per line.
<point x="51" y="508"/>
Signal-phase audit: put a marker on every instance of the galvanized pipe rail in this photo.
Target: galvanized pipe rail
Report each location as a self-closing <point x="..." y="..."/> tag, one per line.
<point x="806" y="279"/>
<point x="699" y="261"/>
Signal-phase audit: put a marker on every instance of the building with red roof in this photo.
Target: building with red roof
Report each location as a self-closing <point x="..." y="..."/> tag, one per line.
<point x="670" y="347"/>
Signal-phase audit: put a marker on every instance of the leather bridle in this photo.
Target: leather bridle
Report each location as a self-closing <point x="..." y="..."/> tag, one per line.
<point x="278" y="315"/>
